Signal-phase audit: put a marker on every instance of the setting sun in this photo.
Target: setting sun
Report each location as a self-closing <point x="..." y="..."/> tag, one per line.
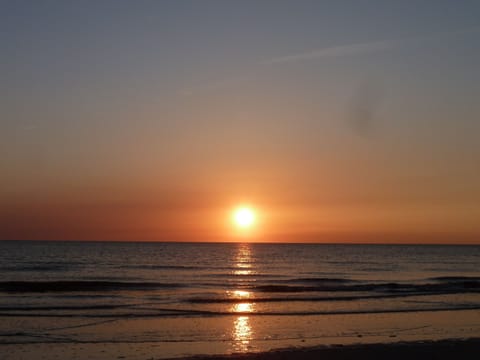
<point x="244" y="217"/>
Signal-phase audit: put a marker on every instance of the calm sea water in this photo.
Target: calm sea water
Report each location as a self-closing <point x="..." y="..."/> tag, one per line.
<point x="181" y="281"/>
<point x="184" y="279"/>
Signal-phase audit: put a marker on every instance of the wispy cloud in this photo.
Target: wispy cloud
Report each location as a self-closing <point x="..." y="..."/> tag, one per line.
<point x="365" y="47"/>
<point x="333" y="51"/>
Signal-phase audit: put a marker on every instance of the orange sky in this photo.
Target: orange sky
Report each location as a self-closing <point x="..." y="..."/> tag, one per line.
<point x="337" y="124"/>
<point x="196" y="216"/>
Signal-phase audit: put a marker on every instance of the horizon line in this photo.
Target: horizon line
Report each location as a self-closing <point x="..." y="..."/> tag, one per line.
<point x="246" y="242"/>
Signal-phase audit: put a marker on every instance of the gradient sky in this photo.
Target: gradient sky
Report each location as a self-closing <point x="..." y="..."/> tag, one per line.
<point x="340" y="121"/>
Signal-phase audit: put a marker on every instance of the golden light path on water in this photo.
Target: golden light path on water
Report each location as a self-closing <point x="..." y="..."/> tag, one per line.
<point x="242" y="332"/>
<point x="243" y="261"/>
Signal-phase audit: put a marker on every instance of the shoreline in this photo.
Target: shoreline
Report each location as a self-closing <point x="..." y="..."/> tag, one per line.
<point x="445" y="349"/>
<point x="468" y="348"/>
<point x="240" y="337"/>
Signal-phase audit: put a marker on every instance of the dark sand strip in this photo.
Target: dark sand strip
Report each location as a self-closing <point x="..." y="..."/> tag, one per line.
<point x="429" y="350"/>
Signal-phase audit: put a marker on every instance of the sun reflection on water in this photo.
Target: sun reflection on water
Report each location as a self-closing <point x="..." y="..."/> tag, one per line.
<point x="243" y="308"/>
<point x="243" y="260"/>
<point x="239" y="294"/>
<point x="242" y="332"/>
<point x="242" y="272"/>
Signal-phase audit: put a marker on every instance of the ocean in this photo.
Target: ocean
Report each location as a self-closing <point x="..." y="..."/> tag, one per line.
<point x="191" y="298"/>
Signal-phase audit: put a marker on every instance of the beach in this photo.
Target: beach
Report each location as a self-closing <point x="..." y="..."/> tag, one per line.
<point x="421" y="350"/>
<point x="256" y="337"/>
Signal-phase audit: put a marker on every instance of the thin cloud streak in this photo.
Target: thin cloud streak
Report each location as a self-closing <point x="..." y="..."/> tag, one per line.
<point x="333" y="51"/>
<point x="330" y="52"/>
<point x="358" y="48"/>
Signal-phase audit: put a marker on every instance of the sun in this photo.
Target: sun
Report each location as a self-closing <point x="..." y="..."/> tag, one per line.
<point x="244" y="217"/>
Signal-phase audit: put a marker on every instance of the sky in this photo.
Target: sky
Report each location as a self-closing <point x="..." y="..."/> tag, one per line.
<point x="337" y="121"/>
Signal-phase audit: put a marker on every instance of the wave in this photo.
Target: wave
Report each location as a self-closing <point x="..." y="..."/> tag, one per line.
<point x="65" y="307"/>
<point x="161" y="267"/>
<point x="445" y="285"/>
<point x="318" y="280"/>
<point x="206" y="300"/>
<point x="37" y="267"/>
<point x="456" y="278"/>
<point x="72" y="286"/>
<point x="157" y="313"/>
<point x="251" y="274"/>
<point x="438" y="285"/>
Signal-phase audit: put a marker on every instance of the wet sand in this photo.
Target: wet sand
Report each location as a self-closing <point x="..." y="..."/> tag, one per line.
<point x="456" y="349"/>
<point x="412" y="335"/>
<point x="439" y="350"/>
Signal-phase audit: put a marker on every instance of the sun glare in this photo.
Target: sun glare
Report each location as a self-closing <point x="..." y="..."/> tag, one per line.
<point x="244" y="217"/>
